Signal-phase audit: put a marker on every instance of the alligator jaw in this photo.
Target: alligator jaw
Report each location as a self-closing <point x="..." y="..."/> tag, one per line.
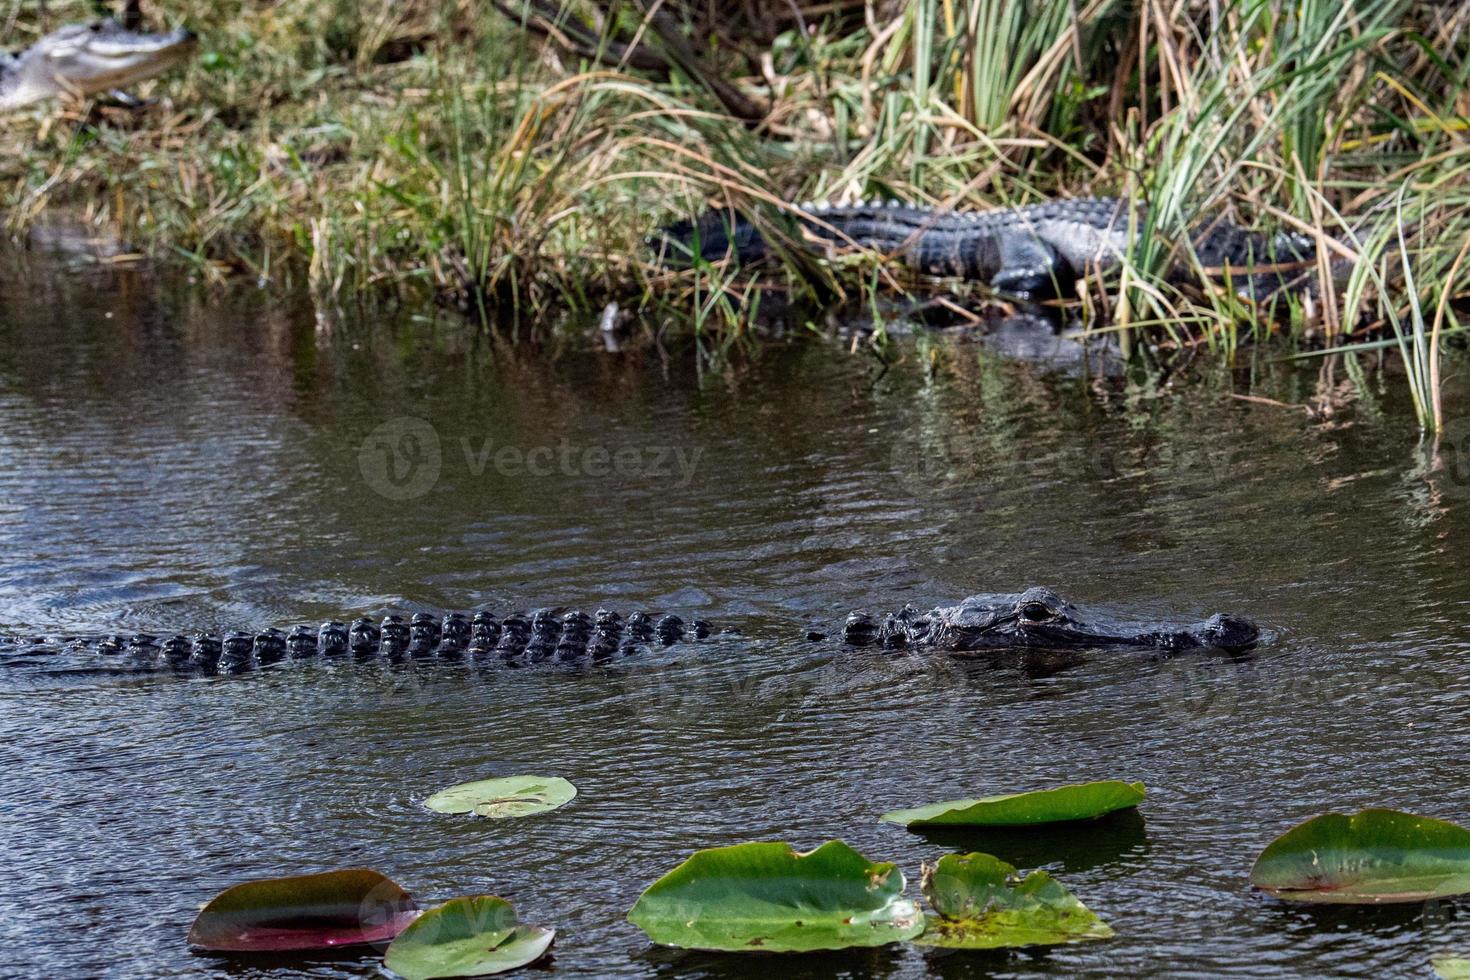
<point x="83" y="59"/>
<point x="1220" y="632"/>
<point x="118" y="59"/>
<point x="1037" y="619"/>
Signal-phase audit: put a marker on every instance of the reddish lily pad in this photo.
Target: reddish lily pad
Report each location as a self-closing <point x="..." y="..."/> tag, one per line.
<point x="317" y="911"/>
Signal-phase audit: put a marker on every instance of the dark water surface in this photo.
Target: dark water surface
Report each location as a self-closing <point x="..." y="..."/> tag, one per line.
<point x="173" y="458"/>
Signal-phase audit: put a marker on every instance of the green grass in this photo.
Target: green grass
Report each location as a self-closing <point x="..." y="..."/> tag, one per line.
<point x="432" y="148"/>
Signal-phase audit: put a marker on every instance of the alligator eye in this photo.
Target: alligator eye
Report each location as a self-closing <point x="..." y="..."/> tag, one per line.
<point x="1035" y="612"/>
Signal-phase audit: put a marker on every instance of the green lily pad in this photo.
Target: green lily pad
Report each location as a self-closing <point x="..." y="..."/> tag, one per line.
<point x="507" y="796"/>
<point x="466" y="937"/>
<point x="318" y="911"/>
<point x="981" y="904"/>
<point x="1452" y="968"/>
<point x="767" y="897"/>
<point x="1081" y="801"/>
<point x="1372" y="857"/>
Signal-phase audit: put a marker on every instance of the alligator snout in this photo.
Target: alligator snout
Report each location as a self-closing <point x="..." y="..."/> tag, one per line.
<point x="1037" y="619"/>
<point x="1229" y="632"/>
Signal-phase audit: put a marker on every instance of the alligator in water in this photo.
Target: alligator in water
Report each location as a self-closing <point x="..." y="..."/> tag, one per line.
<point x="1036" y="619"/>
<point x="546" y="634"/>
<point x="83" y="59"/>
<point x="1041" y="249"/>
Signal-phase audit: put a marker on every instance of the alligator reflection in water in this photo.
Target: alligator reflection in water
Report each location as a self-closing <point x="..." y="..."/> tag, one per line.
<point x="1041" y="336"/>
<point x="1040" y="340"/>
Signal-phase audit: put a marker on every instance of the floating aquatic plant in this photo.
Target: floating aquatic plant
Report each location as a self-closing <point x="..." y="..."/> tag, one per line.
<point x="1371" y="857"/>
<point x="504" y="797"/>
<point x="1080" y="801"/>
<point x="315" y="911"/>
<point x="980" y="903"/>
<point x="768" y="897"/>
<point x="466" y="937"/>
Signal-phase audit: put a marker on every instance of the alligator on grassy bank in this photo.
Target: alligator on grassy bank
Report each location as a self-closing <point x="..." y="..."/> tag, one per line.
<point x="1036" y="250"/>
<point x="1034" y="619"/>
<point x="83" y="59"/>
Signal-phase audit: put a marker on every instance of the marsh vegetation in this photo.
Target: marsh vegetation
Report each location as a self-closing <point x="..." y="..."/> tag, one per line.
<point x="510" y="157"/>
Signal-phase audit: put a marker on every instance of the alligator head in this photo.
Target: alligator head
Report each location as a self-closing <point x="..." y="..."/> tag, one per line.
<point x="82" y="59"/>
<point x="1037" y="619"/>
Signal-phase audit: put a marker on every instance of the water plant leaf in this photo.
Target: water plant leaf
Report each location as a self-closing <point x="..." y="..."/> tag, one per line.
<point x="506" y="796"/>
<point x="767" y="897"/>
<point x="466" y="937"/>
<point x="981" y="904"/>
<point x="1452" y="968"/>
<point x="316" y="911"/>
<point x="1079" y="801"/>
<point x="1371" y="857"/>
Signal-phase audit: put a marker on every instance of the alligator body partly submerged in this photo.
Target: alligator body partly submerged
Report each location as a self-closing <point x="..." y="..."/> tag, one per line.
<point x="546" y="634"/>
<point x="1041" y="249"/>
<point x="83" y="59"/>
<point x="1036" y="619"/>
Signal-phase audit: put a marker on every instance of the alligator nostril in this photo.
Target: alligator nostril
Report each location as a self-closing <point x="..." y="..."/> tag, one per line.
<point x="1036" y="612"/>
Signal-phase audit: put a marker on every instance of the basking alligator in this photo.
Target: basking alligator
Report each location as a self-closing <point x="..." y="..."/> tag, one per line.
<point x="1034" y="619"/>
<point x="1038" y="249"/>
<point x="83" y="59"/>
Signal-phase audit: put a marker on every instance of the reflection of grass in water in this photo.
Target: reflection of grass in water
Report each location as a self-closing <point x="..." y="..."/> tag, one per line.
<point x="431" y="146"/>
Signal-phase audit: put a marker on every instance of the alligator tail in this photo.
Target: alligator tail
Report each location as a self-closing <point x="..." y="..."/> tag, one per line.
<point x="712" y="236"/>
<point x="544" y="635"/>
